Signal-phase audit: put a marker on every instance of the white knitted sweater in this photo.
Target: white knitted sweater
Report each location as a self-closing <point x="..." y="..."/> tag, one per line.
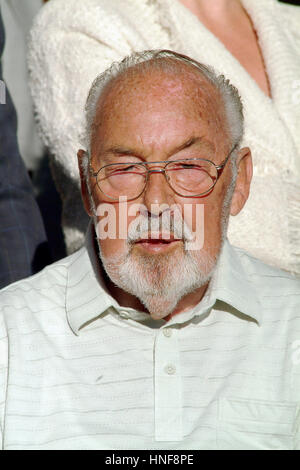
<point x="72" y="41"/>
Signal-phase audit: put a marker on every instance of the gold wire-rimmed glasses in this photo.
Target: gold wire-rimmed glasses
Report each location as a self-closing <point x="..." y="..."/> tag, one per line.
<point x="188" y="177"/>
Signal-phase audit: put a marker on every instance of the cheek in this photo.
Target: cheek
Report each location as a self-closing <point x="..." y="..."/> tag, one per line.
<point x="203" y="216"/>
<point x="213" y="219"/>
<point x="111" y="229"/>
<point x="112" y="247"/>
<point x="113" y="223"/>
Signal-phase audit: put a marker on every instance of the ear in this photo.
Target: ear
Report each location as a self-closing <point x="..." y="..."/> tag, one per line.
<point x="243" y="180"/>
<point x="82" y="157"/>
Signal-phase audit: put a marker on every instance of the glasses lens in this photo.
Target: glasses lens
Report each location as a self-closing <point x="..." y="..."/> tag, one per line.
<point x="191" y="177"/>
<point x="118" y="180"/>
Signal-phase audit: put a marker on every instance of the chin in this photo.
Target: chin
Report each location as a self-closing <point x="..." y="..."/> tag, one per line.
<point x="162" y="279"/>
<point x="159" y="307"/>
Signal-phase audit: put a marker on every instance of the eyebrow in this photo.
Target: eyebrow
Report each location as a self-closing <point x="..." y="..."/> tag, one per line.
<point x="115" y="150"/>
<point x="122" y="151"/>
<point x="189" y="143"/>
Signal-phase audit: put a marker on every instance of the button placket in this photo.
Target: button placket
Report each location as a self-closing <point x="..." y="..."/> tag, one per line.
<point x="168" y="400"/>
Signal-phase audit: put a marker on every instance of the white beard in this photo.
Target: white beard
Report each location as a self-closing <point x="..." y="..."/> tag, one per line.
<point x="160" y="281"/>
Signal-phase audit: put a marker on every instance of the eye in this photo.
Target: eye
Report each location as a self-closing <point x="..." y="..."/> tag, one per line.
<point x="189" y="166"/>
<point x="120" y="169"/>
<point x="125" y="168"/>
<point x="130" y="169"/>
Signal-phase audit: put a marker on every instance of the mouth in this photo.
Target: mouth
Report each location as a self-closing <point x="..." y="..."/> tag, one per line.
<point x="158" y="242"/>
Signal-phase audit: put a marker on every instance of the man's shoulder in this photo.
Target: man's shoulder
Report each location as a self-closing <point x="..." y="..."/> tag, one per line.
<point x="270" y="283"/>
<point x="41" y="290"/>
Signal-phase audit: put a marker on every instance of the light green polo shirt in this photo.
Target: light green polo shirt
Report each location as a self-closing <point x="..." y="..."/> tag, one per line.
<point x="79" y="371"/>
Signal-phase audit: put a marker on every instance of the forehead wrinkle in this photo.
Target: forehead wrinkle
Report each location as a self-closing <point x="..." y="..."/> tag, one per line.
<point x="137" y="86"/>
<point x="137" y="81"/>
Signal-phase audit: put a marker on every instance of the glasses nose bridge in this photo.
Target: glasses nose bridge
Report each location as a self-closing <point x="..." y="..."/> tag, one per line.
<point x="160" y="170"/>
<point x="155" y="168"/>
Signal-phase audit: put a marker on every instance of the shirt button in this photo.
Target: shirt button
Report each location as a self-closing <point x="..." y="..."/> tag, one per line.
<point x="167" y="332"/>
<point x="170" y="369"/>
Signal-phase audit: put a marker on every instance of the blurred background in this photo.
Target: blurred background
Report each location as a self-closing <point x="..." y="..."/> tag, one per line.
<point x="17" y="17"/>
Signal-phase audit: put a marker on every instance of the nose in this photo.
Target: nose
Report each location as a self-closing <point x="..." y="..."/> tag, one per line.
<point x="157" y="192"/>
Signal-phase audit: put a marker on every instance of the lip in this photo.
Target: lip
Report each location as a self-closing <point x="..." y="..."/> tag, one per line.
<point x="158" y="244"/>
<point x="154" y="236"/>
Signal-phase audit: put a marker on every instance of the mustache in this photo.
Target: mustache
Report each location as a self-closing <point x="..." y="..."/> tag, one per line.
<point x="165" y="226"/>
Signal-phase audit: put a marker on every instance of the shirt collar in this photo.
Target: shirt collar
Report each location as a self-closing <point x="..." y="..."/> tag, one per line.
<point x="233" y="284"/>
<point x="87" y="297"/>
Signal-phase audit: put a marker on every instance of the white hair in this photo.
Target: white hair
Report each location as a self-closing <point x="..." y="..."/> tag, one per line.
<point x="167" y="61"/>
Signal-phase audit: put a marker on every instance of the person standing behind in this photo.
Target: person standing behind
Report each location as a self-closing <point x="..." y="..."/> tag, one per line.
<point x="23" y="242"/>
<point x="17" y="20"/>
<point x="255" y="43"/>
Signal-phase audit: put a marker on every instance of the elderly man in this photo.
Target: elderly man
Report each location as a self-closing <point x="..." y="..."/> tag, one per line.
<point x="158" y="334"/>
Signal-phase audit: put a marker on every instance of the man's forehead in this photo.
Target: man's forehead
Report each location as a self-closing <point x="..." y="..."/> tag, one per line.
<point x="158" y="96"/>
<point x="193" y="142"/>
<point x="140" y="82"/>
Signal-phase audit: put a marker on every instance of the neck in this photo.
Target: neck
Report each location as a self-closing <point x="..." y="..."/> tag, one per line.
<point x="217" y="10"/>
